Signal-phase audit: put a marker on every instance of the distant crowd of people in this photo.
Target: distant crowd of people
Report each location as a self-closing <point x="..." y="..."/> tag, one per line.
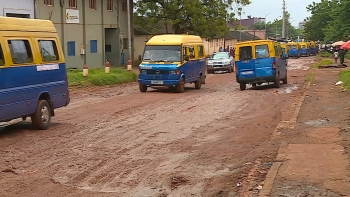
<point x="229" y="49"/>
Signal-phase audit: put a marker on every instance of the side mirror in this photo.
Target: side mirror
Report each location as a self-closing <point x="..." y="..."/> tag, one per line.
<point x="186" y="58"/>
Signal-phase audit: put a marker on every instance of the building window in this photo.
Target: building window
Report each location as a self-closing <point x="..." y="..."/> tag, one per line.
<point x="93" y="46"/>
<point x="109" y="5"/>
<point x="2" y="59"/>
<point x="108" y="48"/>
<point x="20" y="51"/>
<point x="71" y="48"/>
<point x="125" y="43"/>
<point x="200" y="51"/>
<point x="92" y="4"/>
<point x="48" y="50"/>
<point x="124" y="6"/>
<point x="72" y="3"/>
<point x="48" y="2"/>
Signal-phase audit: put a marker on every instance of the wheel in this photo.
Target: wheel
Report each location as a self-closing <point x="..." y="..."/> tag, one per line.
<point x="180" y="88"/>
<point x="42" y="117"/>
<point x="198" y="83"/>
<point x="229" y="70"/>
<point x="242" y="86"/>
<point x="203" y="79"/>
<point x="285" y="80"/>
<point x="24" y="118"/>
<point x="143" y="88"/>
<point x="277" y="83"/>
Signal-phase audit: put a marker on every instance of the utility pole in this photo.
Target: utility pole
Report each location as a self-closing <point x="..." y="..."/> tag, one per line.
<point x="284" y="20"/>
<point x="129" y="12"/>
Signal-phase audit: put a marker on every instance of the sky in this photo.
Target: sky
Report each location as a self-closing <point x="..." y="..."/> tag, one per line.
<point x="296" y="8"/>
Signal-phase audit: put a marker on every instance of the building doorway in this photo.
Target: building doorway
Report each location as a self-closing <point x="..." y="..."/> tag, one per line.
<point x="112" y="46"/>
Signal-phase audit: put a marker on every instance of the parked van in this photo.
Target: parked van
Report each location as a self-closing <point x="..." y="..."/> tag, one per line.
<point x="173" y="61"/>
<point x="305" y="49"/>
<point x="313" y="48"/>
<point x="260" y="61"/>
<point x="293" y="49"/>
<point x="32" y="71"/>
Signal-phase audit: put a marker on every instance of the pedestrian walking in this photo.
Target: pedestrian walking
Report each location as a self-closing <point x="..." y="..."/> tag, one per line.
<point x="336" y="55"/>
<point x="342" y="53"/>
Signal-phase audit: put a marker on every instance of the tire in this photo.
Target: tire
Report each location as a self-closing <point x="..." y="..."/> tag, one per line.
<point x="143" y="88"/>
<point x="203" y="79"/>
<point x="229" y="70"/>
<point x="42" y="117"/>
<point x="198" y="83"/>
<point x="277" y="82"/>
<point x="180" y="88"/>
<point x="242" y="86"/>
<point x="285" y="80"/>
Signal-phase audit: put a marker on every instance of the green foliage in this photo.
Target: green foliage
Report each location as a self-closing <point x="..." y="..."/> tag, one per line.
<point x="310" y="77"/>
<point x="329" y="21"/>
<point x="206" y="18"/>
<point x="98" y="77"/>
<point x="344" y="76"/>
<point x="322" y="62"/>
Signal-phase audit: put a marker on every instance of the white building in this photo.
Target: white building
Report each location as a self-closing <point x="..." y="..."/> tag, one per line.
<point x="17" y="8"/>
<point x="301" y="25"/>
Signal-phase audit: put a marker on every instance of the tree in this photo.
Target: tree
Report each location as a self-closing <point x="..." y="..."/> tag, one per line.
<point x="329" y="20"/>
<point x="206" y="18"/>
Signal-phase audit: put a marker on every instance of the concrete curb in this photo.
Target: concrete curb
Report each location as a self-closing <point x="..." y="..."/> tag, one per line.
<point x="290" y="124"/>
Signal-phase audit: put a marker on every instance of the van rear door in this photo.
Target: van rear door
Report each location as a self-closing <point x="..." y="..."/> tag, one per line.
<point x="246" y="63"/>
<point x="263" y="61"/>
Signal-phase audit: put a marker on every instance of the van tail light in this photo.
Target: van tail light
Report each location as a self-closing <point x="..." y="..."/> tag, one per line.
<point x="274" y="64"/>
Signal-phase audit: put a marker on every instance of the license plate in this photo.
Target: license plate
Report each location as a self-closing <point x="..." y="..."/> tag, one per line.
<point x="157" y="82"/>
<point x="247" y="73"/>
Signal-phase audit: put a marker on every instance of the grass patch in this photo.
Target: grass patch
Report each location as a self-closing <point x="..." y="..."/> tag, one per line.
<point x="347" y="55"/>
<point x="310" y="77"/>
<point x="98" y="77"/>
<point x="325" y="54"/>
<point x="323" y="62"/>
<point x="344" y="76"/>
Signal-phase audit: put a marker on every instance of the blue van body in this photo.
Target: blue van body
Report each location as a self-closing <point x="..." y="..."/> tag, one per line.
<point x="21" y="88"/>
<point x="254" y="70"/>
<point x="294" y="52"/>
<point x="168" y="74"/>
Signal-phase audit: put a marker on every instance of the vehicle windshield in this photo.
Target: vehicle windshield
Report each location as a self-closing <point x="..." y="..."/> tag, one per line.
<point x="162" y="53"/>
<point x="292" y="46"/>
<point x="217" y="56"/>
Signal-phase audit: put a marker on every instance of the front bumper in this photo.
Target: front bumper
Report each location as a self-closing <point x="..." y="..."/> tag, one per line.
<point x="163" y="82"/>
<point x="218" y="67"/>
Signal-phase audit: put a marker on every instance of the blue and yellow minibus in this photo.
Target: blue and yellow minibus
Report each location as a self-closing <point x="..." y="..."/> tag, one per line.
<point x="172" y="61"/>
<point x="32" y="71"/>
<point x="260" y="61"/>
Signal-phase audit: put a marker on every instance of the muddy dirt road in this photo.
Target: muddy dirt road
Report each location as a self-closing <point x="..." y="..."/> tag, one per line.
<point x="117" y="141"/>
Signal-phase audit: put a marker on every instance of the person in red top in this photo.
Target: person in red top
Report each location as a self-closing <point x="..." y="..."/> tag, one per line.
<point x="232" y="52"/>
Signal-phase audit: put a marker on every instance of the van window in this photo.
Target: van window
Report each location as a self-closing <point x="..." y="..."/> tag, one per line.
<point x="277" y="53"/>
<point x="245" y="53"/>
<point x="20" y="51"/>
<point x="162" y="53"/>
<point x="2" y="59"/>
<point x="48" y="50"/>
<point x="200" y="51"/>
<point x="191" y="51"/>
<point x="262" y="51"/>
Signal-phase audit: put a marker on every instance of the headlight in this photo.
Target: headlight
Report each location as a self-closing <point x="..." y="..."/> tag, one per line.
<point x="210" y="63"/>
<point x="226" y="62"/>
<point x="174" y="72"/>
<point x="143" y="72"/>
